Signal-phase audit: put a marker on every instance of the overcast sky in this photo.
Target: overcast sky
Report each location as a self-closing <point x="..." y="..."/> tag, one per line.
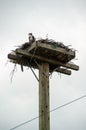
<point x="62" y="20"/>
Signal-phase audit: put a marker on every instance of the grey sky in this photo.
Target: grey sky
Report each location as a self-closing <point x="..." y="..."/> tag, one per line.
<point x="62" y="20"/>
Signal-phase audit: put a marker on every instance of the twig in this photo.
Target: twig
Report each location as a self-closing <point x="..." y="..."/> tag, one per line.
<point x="12" y="72"/>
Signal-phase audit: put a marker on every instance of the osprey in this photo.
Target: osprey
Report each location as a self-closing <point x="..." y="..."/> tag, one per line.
<point x="31" y="38"/>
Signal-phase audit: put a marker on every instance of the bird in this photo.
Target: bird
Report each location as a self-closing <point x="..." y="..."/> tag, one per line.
<point x="31" y="38"/>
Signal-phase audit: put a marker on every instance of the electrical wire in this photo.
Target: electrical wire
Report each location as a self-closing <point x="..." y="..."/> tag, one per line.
<point x="24" y="123"/>
<point x="68" y="103"/>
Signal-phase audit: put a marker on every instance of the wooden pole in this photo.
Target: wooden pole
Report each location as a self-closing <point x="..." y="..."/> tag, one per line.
<point x="44" y="119"/>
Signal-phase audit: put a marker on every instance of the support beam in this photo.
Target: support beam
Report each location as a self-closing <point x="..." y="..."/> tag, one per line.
<point x="50" y="61"/>
<point x="63" y="71"/>
<point x="44" y="119"/>
<point x="17" y="60"/>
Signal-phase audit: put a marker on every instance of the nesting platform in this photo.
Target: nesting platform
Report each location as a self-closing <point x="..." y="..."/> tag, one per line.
<point x="39" y="52"/>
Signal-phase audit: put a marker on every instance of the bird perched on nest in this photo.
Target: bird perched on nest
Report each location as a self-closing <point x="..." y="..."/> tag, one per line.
<point x="31" y="38"/>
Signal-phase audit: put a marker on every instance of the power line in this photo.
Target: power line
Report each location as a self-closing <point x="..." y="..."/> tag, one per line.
<point x="24" y="123"/>
<point x="68" y="103"/>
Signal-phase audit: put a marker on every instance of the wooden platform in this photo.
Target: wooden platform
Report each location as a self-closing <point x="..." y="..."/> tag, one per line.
<point x="52" y="52"/>
<point x="38" y="52"/>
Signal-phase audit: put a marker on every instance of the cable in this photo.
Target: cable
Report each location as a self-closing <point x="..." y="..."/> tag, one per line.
<point x="24" y="123"/>
<point x="34" y="74"/>
<point x="49" y="112"/>
<point x="68" y="103"/>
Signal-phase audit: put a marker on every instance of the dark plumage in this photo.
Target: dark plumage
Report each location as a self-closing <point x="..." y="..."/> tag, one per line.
<point x="31" y="38"/>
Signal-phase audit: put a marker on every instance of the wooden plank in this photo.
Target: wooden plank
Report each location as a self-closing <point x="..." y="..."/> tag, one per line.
<point x="63" y="71"/>
<point x="34" y="45"/>
<point x="17" y="60"/>
<point x="55" y="49"/>
<point x="68" y="65"/>
<point x="44" y="114"/>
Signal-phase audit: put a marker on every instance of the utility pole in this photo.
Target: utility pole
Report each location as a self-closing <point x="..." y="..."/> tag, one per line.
<point x="44" y="115"/>
<point x="46" y="57"/>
